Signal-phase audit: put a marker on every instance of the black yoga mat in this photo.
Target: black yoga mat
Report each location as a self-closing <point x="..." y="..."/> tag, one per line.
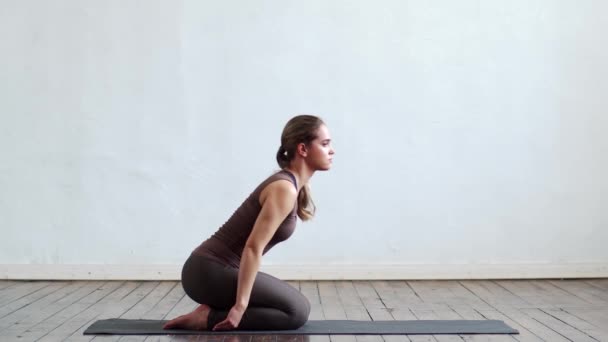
<point x="326" y="327"/>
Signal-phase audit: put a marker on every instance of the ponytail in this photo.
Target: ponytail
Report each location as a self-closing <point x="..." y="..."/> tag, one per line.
<point x="282" y="158"/>
<point x="306" y="207"/>
<point x="299" y="129"/>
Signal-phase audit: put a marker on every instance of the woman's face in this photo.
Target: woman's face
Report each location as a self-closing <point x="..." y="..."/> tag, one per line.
<point x="320" y="152"/>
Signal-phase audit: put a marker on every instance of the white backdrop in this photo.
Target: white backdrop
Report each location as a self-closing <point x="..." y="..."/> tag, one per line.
<point x="470" y="136"/>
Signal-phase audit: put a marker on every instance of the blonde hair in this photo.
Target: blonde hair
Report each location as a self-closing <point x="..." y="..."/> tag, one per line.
<point x="299" y="129"/>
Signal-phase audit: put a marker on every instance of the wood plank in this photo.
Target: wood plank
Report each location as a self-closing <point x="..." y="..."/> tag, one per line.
<point x="556" y="325"/>
<point x="57" y="319"/>
<point x="482" y="292"/>
<point x="459" y="295"/>
<point x="383" y="314"/>
<point x="23" y="307"/>
<point x="39" y="311"/>
<point x="198" y="338"/>
<point x="183" y="306"/>
<point x="264" y="338"/>
<point x="86" y="317"/>
<point x="587" y="292"/>
<point x="332" y="308"/>
<point x="462" y="312"/>
<point x="364" y="289"/>
<point x="552" y="310"/>
<point x="289" y="338"/>
<point x="354" y="308"/>
<point x="405" y="292"/>
<point x="139" y="310"/>
<point x="557" y="296"/>
<point x="348" y="294"/>
<point x="295" y="284"/>
<point x="6" y="284"/>
<point x="311" y="291"/>
<point x="494" y="294"/>
<point x="403" y="313"/>
<point x="578" y="323"/>
<point x="119" y="307"/>
<point x="144" y="306"/>
<point x="316" y="309"/>
<point x="159" y="338"/>
<point x="25" y="298"/>
<point x="386" y="294"/>
<point x="394" y="294"/>
<point x="368" y="295"/>
<point x="437" y="295"/>
<point x="430" y="291"/>
<point x="145" y="297"/>
<point x="162" y="308"/>
<point x="594" y="316"/>
<point x="599" y="283"/>
<point x="530" y="292"/>
<point x="242" y="338"/>
<point x="524" y="334"/>
<point x="23" y="290"/>
<point x="165" y="304"/>
<point x="532" y="325"/>
<point x="431" y="314"/>
<point x="147" y="301"/>
<point x="330" y="301"/>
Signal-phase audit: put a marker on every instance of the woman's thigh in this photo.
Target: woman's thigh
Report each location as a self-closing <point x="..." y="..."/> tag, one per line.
<point x="211" y="283"/>
<point x="269" y="291"/>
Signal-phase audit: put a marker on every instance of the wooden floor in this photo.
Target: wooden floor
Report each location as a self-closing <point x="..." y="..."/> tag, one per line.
<point x="542" y="310"/>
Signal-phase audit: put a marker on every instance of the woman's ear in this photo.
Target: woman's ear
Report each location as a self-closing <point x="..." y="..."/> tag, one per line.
<point x="302" y="149"/>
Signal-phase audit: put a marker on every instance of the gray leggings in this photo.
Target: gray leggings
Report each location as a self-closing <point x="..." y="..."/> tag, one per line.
<point x="273" y="304"/>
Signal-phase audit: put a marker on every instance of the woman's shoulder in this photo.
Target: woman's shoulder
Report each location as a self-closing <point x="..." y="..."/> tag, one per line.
<point x="278" y="186"/>
<point x="278" y="175"/>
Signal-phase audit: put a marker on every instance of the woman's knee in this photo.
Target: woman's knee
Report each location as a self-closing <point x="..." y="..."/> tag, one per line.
<point x="300" y="313"/>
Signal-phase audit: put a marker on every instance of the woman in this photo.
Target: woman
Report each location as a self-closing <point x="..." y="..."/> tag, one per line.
<point x="222" y="273"/>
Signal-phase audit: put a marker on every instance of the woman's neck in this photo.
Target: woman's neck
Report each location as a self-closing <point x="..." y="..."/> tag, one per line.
<point x="301" y="172"/>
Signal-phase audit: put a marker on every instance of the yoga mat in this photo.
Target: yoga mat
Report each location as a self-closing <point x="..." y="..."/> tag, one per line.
<point x="312" y="327"/>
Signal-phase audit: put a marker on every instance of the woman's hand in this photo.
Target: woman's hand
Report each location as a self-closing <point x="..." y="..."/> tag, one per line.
<point x="232" y="320"/>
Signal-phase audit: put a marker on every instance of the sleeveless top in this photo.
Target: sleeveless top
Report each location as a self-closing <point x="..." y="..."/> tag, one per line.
<point x="227" y="243"/>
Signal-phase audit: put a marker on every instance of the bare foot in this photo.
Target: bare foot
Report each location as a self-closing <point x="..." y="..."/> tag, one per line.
<point x="196" y="320"/>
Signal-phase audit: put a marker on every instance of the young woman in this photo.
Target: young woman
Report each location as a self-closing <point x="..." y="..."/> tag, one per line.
<point x="222" y="274"/>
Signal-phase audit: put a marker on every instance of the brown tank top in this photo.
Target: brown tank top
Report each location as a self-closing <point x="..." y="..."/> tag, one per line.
<point x="227" y="243"/>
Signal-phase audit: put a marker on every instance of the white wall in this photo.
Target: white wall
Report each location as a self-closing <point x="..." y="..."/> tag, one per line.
<point x="470" y="135"/>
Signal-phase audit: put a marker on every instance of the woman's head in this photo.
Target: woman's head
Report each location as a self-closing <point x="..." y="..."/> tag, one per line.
<point x="306" y="136"/>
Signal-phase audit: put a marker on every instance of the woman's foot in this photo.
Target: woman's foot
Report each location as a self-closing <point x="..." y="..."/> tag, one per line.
<point x="196" y="320"/>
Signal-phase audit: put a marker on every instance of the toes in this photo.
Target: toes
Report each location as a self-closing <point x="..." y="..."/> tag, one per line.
<point x="172" y="323"/>
<point x="169" y="325"/>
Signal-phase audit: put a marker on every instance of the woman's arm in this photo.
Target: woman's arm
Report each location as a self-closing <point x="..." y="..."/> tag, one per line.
<point x="277" y="201"/>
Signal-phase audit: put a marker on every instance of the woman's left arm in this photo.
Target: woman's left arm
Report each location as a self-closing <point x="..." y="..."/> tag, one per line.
<point x="277" y="202"/>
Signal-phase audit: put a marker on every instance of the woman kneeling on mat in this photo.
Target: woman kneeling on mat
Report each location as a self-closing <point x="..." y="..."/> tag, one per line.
<point x="222" y="274"/>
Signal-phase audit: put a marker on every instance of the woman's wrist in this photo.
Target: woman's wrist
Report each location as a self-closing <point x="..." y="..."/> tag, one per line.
<point x="240" y="306"/>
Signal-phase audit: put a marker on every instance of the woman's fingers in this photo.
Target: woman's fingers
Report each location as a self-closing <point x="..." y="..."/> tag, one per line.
<point x="220" y="327"/>
<point x="231" y="321"/>
<point x="223" y="325"/>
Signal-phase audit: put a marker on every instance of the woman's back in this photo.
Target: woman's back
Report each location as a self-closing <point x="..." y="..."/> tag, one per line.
<point x="227" y="243"/>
